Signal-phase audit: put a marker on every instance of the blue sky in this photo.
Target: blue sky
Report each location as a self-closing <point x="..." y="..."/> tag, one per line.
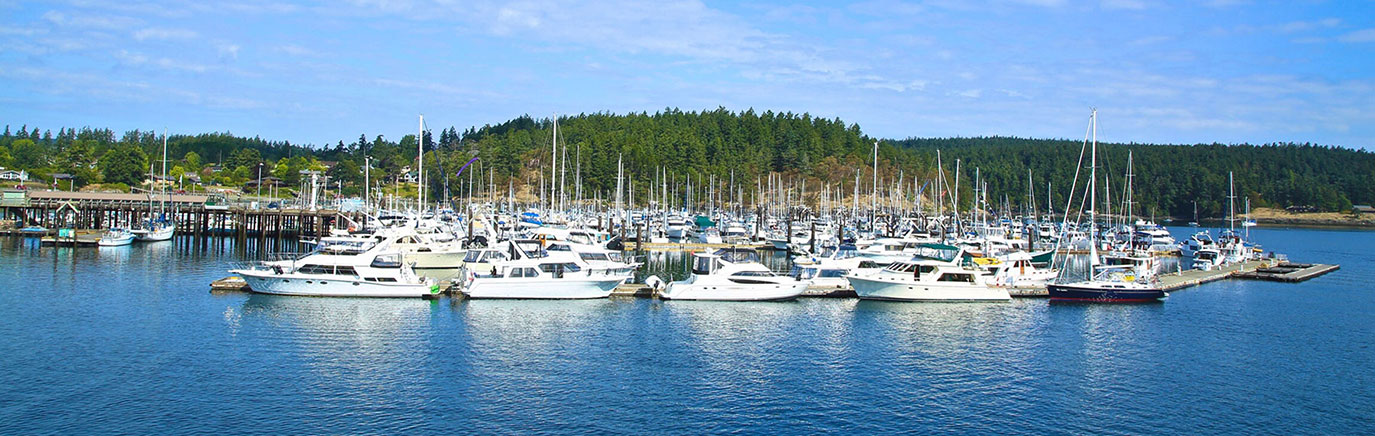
<point x="317" y="72"/>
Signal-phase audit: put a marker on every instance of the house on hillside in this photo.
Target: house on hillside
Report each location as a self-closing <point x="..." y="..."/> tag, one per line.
<point x="12" y="175"/>
<point x="268" y="181"/>
<point x="1362" y="209"/>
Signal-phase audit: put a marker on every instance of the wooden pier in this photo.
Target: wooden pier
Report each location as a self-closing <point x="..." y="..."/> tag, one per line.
<point x="194" y="214"/>
<point x="1194" y="277"/>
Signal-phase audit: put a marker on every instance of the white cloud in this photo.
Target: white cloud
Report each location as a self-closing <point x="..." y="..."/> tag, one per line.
<point x="1363" y="35"/>
<point x="228" y="50"/>
<point x="163" y="34"/>
<point x="1135" y="5"/>
<point x="296" y="50"/>
<point x="1043" y="3"/>
<point x="90" y="22"/>
<point x="1302" y="26"/>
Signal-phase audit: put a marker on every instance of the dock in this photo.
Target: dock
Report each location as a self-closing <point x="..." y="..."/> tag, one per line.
<point x="229" y="284"/>
<point x="694" y="246"/>
<point x="1183" y="279"/>
<point x="1289" y="272"/>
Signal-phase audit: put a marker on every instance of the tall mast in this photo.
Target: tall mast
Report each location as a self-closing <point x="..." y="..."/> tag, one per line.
<point x="1093" y="191"/>
<point x="420" y="163"/>
<point x="1231" y="204"/>
<point x="554" y="166"/>
<point x="874" y="194"/>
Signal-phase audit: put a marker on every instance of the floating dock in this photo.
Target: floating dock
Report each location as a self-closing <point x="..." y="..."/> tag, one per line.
<point x="1195" y="277"/>
<point x="1289" y="272"/>
<point x="693" y="246"/>
<point x="229" y="284"/>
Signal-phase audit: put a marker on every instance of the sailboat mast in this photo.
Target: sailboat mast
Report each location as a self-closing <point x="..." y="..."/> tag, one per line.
<point x="420" y="163"/>
<point x="1093" y="190"/>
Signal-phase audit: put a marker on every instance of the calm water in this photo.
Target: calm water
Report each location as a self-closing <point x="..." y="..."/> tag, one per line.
<point x="129" y="340"/>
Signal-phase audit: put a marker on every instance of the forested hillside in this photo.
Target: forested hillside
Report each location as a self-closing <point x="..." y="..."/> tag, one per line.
<point x="749" y="145"/>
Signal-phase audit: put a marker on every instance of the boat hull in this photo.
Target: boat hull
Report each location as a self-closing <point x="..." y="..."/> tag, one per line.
<point x="734" y="292"/>
<point x="298" y="285"/>
<point x="435" y="259"/>
<point x="1093" y="294"/>
<point x="163" y="234"/>
<point x="115" y="242"/>
<point x="878" y="289"/>
<point x="538" y="288"/>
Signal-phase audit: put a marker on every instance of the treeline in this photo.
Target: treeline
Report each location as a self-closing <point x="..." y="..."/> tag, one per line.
<point x="1168" y="179"/>
<point x="720" y="144"/>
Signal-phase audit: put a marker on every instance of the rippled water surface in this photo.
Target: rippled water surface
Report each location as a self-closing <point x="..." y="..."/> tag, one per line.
<point x="129" y="340"/>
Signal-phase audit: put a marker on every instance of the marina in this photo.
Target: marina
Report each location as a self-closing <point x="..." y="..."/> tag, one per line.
<point x="1028" y="217"/>
<point x="862" y="353"/>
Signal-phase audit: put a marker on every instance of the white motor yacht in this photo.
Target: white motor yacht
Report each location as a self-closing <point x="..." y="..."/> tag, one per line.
<point x="926" y="280"/>
<point x="534" y="273"/>
<point x="827" y="272"/>
<point x="1207" y="259"/>
<point x="346" y="269"/>
<point x="676" y="227"/>
<point x="1017" y="270"/>
<point x="733" y="274"/>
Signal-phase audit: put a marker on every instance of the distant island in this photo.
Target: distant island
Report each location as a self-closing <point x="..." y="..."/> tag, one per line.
<point x="715" y="146"/>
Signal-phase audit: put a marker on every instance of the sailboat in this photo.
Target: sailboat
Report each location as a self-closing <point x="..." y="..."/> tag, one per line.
<point x="1108" y="283"/>
<point x="157" y="228"/>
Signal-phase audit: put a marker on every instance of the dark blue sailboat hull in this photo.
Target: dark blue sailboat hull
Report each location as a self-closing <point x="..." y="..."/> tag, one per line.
<point x="1093" y="294"/>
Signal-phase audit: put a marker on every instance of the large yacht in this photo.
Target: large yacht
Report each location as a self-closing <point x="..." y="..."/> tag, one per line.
<point x="733" y="274"/>
<point x="934" y="275"/>
<point x="536" y="273"/>
<point x="342" y="267"/>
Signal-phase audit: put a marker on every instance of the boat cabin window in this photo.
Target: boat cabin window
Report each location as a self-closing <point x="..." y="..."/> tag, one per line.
<point x="407" y="240"/>
<point x="558" y="269"/>
<point x="581" y="238"/>
<point x="803" y="273"/>
<point x="559" y="247"/>
<point x="703" y="264"/>
<point x="387" y="261"/>
<point x="833" y="273"/>
<point x="869" y="264"/>
<point x="753" y="274"/>
<point x="737" y="255"/>
<point x="593" y="257"/>
<point x="473" y="256"/>
<point x="524" y="272"/>
<point x="956" y="277"/>
<point x="326" y="269"/>
<point x="493" y="256"/>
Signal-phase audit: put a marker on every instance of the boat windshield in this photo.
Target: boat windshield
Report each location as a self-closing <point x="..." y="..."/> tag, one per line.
<point x="941" y="252"/>
<point x="737" y="255"/>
